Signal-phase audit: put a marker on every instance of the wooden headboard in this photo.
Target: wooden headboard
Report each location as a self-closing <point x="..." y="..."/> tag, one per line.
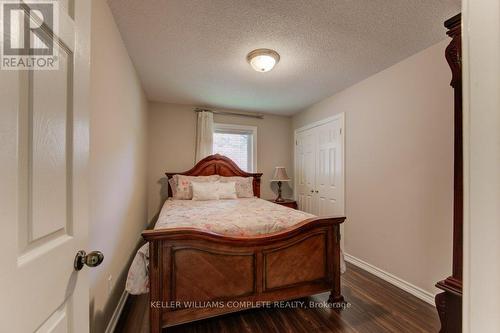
<point x="218" y="165"/>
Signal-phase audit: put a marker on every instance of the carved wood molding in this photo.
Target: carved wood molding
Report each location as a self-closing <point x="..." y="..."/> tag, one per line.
<point x="453" y="50"/>
<point x="449" y="303"/>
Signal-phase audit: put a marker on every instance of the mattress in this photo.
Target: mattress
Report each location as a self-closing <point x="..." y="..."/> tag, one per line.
<point x="238" y="217"/>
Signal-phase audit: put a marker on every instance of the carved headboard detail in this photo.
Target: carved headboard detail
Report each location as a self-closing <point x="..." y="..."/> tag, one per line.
<point x="218" y="165"/>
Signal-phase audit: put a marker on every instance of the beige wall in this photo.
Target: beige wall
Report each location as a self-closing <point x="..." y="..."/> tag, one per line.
<point x="399" y="168"/>
<point x="117" y="163"/>
<point x="172" y="131"/>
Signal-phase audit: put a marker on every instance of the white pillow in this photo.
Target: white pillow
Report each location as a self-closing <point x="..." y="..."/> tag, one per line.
<point x="244" y="185"/>
<point x="227" y="190"/>
<point x="205" y="191"/>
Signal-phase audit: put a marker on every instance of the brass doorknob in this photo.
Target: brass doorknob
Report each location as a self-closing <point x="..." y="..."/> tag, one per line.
<point x="92" y="259"/>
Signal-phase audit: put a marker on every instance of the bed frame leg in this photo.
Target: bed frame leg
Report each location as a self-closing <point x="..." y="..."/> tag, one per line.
<point x="155" y="256"/>
<point x="155" y="323"/>
<point x="335" y="298"/>
<point x="336" y="293"/>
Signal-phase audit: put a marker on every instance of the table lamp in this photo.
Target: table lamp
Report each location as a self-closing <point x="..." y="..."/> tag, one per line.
<point x="280" y="176"/>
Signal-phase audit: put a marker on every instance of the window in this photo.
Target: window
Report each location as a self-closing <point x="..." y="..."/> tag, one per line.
<point x="237" y="142"/>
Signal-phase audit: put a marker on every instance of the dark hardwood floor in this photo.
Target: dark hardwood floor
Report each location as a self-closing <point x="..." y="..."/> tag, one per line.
<point x="375" y="306"/>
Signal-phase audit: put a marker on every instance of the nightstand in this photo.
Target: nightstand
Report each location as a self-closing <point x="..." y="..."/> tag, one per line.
<point x="286" y="203"/>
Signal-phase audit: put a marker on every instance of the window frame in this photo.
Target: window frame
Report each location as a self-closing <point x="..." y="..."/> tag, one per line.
<point x="234" y="129"/>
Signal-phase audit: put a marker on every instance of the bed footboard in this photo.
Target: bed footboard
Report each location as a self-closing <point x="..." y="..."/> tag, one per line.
<point x="196" y="275"/>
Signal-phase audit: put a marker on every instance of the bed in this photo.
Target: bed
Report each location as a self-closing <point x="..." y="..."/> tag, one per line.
<point x="225" y="265"/>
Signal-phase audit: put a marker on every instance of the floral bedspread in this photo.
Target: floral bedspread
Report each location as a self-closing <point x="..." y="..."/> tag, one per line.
<point x="238" y="217"/>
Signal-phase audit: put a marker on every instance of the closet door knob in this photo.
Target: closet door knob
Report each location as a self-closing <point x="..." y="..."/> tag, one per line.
<point x="312" y="191"/>
<point x="316" y="191"/>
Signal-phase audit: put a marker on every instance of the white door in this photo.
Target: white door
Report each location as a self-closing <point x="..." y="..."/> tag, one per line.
<point x="44" y="133"/>
<point x="329" y="169"/>
<point x="319" y="167"/>
<point x="305" y="155"/>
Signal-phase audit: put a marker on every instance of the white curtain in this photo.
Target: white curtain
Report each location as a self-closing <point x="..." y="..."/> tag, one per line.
<point x="204" y="135"/>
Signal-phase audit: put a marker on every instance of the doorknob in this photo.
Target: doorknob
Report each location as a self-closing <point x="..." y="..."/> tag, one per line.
<point x="92" y="259"/>
<point x="312" y="191"/>
<point x="316" y="191"/>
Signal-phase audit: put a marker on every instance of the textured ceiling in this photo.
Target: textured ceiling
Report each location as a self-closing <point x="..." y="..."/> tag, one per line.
<point x="193" y="52"/>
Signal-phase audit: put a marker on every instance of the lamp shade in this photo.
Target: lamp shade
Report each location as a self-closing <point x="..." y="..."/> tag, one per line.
<point x="280" y="175"/>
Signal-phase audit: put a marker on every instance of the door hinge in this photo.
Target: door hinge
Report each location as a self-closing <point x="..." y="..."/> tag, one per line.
<point x="341" y="131"/>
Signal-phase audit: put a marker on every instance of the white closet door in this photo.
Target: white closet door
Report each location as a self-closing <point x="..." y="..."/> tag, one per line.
<point x="329" y="187"/>
<point x="306" y="170"/>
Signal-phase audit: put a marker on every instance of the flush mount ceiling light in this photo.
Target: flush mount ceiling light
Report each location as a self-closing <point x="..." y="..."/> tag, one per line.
<point x="263" y="60"/>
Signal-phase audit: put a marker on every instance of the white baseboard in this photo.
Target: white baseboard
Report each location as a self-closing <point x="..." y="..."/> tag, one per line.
<point x="116" y="314"/>
<point x="392" y="279"/>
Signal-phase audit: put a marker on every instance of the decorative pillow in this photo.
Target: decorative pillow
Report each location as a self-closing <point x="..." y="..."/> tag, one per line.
<point x="227" y="190"/>
<point x="173" y="186"/>
<point x="244" y="185"/>
<point x="183" y="188"/>
<point x="205" y="191"/>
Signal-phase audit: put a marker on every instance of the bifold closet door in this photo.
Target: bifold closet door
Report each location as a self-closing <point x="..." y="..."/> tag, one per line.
<point x="306" y="170"/>
<point x="320" y="168"/>
<point x="329" y="187"/>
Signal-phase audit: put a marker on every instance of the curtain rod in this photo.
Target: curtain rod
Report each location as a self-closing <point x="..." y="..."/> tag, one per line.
<point x="232" y="113"/>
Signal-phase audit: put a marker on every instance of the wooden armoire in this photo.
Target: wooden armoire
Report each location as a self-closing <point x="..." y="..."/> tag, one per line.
<point x="449" y="302"/>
